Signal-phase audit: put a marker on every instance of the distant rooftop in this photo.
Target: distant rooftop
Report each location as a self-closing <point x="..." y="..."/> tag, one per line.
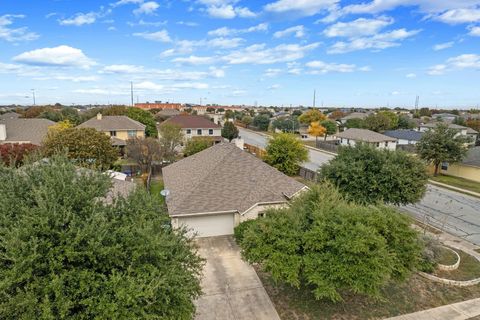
<point x="191" y="122"/>
<point x="26" y="130"/>
<point x="364" y="135"/>
<point x="112" y="123"/>
<point x="410" y="135"/>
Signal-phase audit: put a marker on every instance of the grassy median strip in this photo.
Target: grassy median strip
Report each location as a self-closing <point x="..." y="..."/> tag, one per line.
<point x="458" y="182"/>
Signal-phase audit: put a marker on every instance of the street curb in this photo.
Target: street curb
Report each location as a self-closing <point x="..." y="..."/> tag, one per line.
<point x="320" y="150"/>
<point x="447" y="186"/>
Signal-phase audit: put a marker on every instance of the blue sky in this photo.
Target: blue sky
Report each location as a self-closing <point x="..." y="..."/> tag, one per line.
<point x="276" y="52"/>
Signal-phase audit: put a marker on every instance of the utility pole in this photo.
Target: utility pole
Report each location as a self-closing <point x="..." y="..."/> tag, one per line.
<point x="131" y="92"/>
<point x="416" y="103"/>
<point x="33" y="96"/>
<point x="314" y="93"/>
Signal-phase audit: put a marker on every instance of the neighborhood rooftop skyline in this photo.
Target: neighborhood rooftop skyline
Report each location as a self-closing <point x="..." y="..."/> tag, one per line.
<point x="369" y="53"/>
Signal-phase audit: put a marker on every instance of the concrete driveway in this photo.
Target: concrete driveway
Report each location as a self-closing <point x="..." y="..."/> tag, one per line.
<point x="231" y="287"/>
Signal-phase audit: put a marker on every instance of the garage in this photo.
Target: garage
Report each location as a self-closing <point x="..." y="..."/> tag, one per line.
<point x="209" y="225"/>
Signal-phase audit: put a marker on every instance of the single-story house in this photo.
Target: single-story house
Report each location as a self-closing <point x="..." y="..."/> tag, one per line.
<point x="432" y="125"/>
<point x="404" y="137"/>
<point x="469" y="168"/>
<point x="354" y="115"/>
<point x="118" y="128"/>
<point x="214" y="190"/>
<point x="9" y="115"/>
<point x="352" y="136"/>
<point x="473" y="134"/>
<point x="196" y="126"/>
<point x="19" y="130"/>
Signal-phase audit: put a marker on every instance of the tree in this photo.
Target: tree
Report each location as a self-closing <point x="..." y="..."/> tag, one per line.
<point x="366" y="175"/>
<point x="145" y="152"/>
<point x="378" y="122"/>
<point x="171" y="137"/>
<point x="355" y="123"/>
<point x="312" y="115"/>
<point x="459" y="121"/>
<point x="473" y="123"/>
<point x="286" y="152"/>
<point x="261" y="121"/>
<point x="229" y="131"/>
<point x="330" y="127"/>
<point x="247" y="120"/>
<point x="211" y="110"/>
<point x="286" y="124"/>
<point x="297" y="113"/>
<point x="336" y="115"/>
<point x="70" y="253"/>
<point x="442" y="145"/>
<point x="13" y="154"/>
<point x="195" y="145"/>
<point x="60" y="126"/>
<point x="229" y="114"/>
<point x="86" y="146"/>
<point x="145" y="118"/>
<point x="405" y="122"/>
<point x="317" y="130"/>
<point x="331" y="246"/>
<point x="425" y="112"/>
<point x="393" y="117"/>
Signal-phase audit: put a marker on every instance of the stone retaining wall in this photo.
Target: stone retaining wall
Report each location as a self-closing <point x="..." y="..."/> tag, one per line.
<point x="453" y="266"/>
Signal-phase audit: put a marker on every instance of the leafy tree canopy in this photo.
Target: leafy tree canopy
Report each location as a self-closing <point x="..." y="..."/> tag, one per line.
<point x="69" y="254"/>
<point x="365" y="174"/>
<point x="286" y="124"/>
<point x="286" y="152"/>
<point x="146" y="118"/>
<point x="229" y="131"/>
<point x="86" y="146"/>
<point x="171" y="137"/>
<point x="442" y="144"/>
<point x="378" y="122"/>
<point x="330" y="127"/>
<point x="331" y="245"/>
<point x="404" y="122"/>
<point x="247" y="120"/>
<point x="355" y="123"/>
<point x="261" y="121"/>
<point x="195" y="145"/>
<point x="316" y="129"/>
<point x="312" y="115"/>
<point x="13" y="154"/>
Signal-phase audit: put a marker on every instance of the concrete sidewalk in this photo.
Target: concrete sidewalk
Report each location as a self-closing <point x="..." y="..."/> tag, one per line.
<point x="457" y="311"/>
<point x="447" y="186"/>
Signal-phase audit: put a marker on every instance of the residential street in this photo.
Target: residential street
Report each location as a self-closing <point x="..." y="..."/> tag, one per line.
<point x="317" y="158"/>
<point x="457" y="213"/>
<point x="452" y="211"/>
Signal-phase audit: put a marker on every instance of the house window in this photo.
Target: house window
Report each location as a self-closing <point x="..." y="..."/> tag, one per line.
<point x="261" y="215"/>
<point x="199" y="132"/>
<point x="113" y="133"/>
<point x="210" y="132"/>
<point x="189" y="131"/>
<point x="377" y="144"/>
<point x="132" y="133"/>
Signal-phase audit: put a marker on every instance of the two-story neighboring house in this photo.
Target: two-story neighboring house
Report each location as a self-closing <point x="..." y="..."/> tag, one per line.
<point x="350" y="137"/>
<point x="118" y="128"/>
<point x="19" y="130"/>
<point x="196" y="127"/>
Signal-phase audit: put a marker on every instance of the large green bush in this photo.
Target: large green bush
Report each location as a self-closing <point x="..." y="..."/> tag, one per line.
<point x="67" y="254"/>
<point x="332" y="245"/>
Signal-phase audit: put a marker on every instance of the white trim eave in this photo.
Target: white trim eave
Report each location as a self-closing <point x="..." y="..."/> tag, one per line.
<point x="202" y="213"/>
<point x="263" y="203"/>
<point x="293" y="195"/>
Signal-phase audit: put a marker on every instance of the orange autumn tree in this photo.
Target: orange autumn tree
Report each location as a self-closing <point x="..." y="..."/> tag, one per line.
<point x="317" y="130"/>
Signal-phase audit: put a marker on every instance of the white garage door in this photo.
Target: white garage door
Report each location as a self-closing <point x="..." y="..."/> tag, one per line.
<point x="209" y="226"/>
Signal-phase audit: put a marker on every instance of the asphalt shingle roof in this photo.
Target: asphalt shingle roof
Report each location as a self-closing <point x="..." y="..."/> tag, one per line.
<point x="410" y="135"/>
<point x="473" y="157"/>
<point x="224" y="178"/>
<point x="191" y="122"/>
<point x="435" y="124"/>
<point x="26" y="130"/>
<point x="364" y="135"/>
<point x="112" y="123"/>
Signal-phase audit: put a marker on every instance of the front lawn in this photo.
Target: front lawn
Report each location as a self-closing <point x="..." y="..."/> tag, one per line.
<point x="156" y="186"/>
<point x="458" y="182"/>
<point x="413" y="295"/>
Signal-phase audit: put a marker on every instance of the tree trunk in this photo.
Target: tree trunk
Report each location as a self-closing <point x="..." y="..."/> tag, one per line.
<point x="149" y="178"/>
<point x="435" y="173"/>
<point x="325" y="139"/>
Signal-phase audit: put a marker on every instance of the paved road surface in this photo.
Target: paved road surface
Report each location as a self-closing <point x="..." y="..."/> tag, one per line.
<point x="451" y="211"/>
<point x="455" y="212"/>
<point x="317" y="158"/>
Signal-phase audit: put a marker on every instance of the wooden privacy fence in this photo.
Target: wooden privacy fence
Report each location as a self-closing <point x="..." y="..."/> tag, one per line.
<point x="307" y="174"/>
<point x="328" y="146"/>
<point x="259" y="152"/>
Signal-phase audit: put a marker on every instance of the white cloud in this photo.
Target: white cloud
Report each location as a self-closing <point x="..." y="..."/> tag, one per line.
<point x="272" y="72"/>
<point x="151" y="86"/>
<point x="442" y="46"/>
<point x="14" y="34"/>
<point x="461" y="62"/>
<point x="124" y="2"/>
<point x="357" y="28"/>
<point x="68" y="78"/>
<point x="183" y="47"/>
<point x="302" y="7"/>
<point x="146" y="8"/>
<point x="222" y="12"/>
<point x="160" y="36"/>
<point x="122" y="68"/>
<point x="140" y="72"/>
<point x="195" y="60"/>
<point x="458" y="16"/>
<point x="411" y="75"/>
<point x="321" y="67"/>
<point x="63" y="56"/>
<point x="474" y="31"/>
<point x="259" y="54"/>
<point x="79" y="19"/>
<point x="142" y="22"/>
<point x="297" y="31"/>
<point x="226" y="9"/>
<point x="188" y="23"/>
<point x="376" y="42"/>
<point x="225" y="31"/>
<point x="274" y="87"/>
<point x="225" y="43"/>
<point x="244" y="12"/>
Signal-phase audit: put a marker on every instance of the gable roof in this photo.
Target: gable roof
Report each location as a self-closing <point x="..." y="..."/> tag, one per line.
<point x="112" y="123"/>
<point x="473" y="157"/>
<point x="364" y="135"/>
<point x="224" y="178"/>
<point x="471" y="131"/>
<point x="9" y="115"/>
<point x="410" y="135"/>
<point x="26" y="130"/>
<point x="450" y="125"/>
<point x="192" y="122"/>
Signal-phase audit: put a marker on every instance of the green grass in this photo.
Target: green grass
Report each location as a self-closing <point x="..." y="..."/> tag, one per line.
<point x="458" y="182"/>
<point x="310" y="143"/>
<point x="415" y="294"/>
<point x="156" y="186"/>
<point x="469" y="269"/>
